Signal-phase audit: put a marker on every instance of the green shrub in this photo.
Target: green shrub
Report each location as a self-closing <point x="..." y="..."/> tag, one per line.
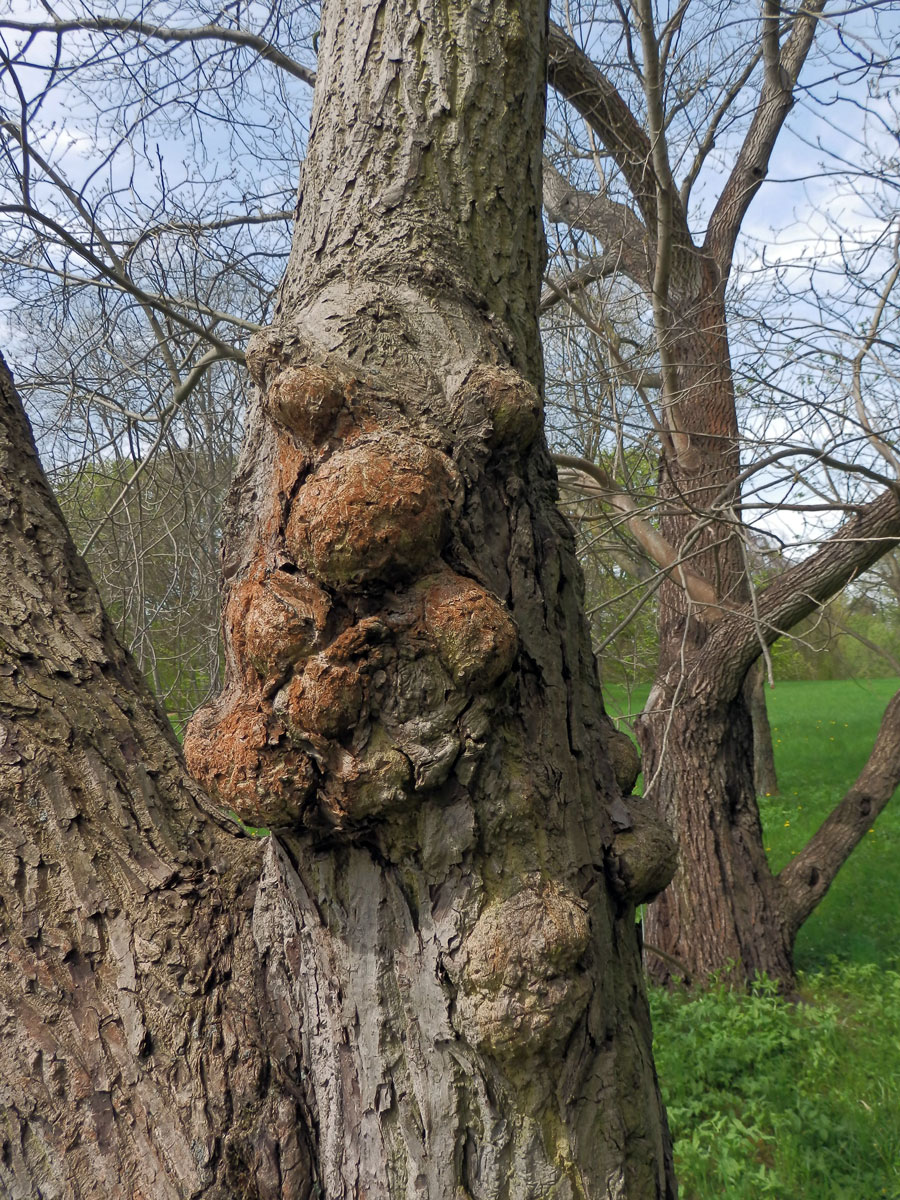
<point x="769" y="1098"/>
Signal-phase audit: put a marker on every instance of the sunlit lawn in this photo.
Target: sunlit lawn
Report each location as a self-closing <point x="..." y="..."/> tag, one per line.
<point x="771" y="1099"/>
<point x="823" y="733"/>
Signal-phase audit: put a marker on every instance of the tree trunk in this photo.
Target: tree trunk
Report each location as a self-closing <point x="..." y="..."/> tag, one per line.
<point x="724" y="908"/>
<point x="697" y="737"/>
<point x="765" y="777"/>
<point x="427" y="981"/>
<point x="140" y="1052"/>
<point x="698" y="749"/>
<point x="411" y="697"/>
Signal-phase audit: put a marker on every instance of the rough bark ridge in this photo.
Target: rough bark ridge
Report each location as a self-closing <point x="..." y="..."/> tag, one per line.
<point x="139" y="1054"/>
<point x="411" y="697"/>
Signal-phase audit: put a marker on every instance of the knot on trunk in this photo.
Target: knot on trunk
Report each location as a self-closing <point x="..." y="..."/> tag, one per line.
<point x="377" y="511"/>
<point x="243" y="757"/>
<point x="475" y="638"/>
<point x="521" y="991"/>
<point x="642" y="859"/>
<point x="336" y="718"/>
<point x="625" y="759"/>
<point x="506" y="400"/>
<point x="274" y="618"/>
<point x="306" y="400"/>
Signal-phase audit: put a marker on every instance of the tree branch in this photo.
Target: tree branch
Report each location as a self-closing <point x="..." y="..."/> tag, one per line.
<point x="797" y="592"/>
<point x="808" y="876"/>
<point x="712" y="129"/>
<point x="782" y="70"/>
<point x="181" y="393"/>
<point x="124" y="283"/>
<point x="874" y="437"/>
<point x="601" y="266"/>
<point x="201" y="33"/>
<point x="649" y="539"/>
<point x="667" y="204"/>
<point x="615" y="226"/>
<point x="633" y="378"/>
<point x="595" y="97"/>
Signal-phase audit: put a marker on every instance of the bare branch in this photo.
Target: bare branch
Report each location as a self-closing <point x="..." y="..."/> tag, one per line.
<point x="801" y="589"/>
<point x="628" y="374"/>
<point x="201" y="33"/>
<point x="595" y="97"/>
<point x="782" y="70"/>
<point x="615" y="226"/>
<point x="808" y="876"/>
<point x="666" y="201"/>
<point x="181" y="393"/>
<point x="650" y="540"/>
<point x="709" y="138"/>
<point x="875" y="438"/>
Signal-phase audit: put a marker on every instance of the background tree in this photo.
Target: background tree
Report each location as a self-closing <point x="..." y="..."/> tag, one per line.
<point x="431" y="977"/>
<point x="653" y="108"/>
<point x="660" y="96"/>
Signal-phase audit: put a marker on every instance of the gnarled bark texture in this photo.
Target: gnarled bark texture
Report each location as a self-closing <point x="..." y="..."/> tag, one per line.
<point x="141" y="1055"/>
<point x="428" y="983"/>
<point x="411" y="697"/>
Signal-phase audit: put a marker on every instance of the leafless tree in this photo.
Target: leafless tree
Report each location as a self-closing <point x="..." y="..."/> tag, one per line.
<point x="428" y="979"/>
<point x="756" y="398"/>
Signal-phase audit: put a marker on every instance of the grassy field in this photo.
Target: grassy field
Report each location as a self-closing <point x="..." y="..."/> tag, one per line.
<point x="801" y="1101"/>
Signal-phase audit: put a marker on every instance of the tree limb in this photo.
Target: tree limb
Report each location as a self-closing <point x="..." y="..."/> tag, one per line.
<point x="648" y="538"/>
<point x="808" y="876"/>
<point x="621" y="233"/>
<point x="797" y="592"/>
<point x="782" y="70"/>
<point x="596" y="98"/>
<point x="162" y="33"/>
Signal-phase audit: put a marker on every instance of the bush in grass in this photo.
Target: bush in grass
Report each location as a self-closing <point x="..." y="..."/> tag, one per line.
<point x="772" y="1099"/>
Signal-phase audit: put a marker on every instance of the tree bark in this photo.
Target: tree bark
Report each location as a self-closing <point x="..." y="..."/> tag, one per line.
<point x="140" y="1052"/>
<point x="411" y="696"/>
<point x="427" y="980"/>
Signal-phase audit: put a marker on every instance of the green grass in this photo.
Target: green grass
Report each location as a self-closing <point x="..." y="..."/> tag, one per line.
<point x="793" y="1101"/>
<point x="789" y="1101"/>
<point x="823" y="733"/>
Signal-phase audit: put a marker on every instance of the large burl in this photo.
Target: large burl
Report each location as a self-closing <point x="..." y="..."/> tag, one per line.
<point x="520" y="992"/>
<point x="644" y="855"/>
<point x="354" y="650"/>
<point x="375" y="512"/>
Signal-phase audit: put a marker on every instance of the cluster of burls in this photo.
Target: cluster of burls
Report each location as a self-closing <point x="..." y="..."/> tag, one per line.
<point x="354" y="651"/>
